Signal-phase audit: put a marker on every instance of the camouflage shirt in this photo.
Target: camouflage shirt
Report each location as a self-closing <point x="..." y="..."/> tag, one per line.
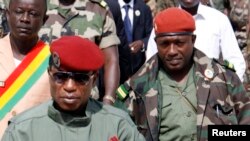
<point x="239" y="16"/>
<point x="216" y="86"/>
<point x="88" y="18"/>
<point x="164" y="4"/>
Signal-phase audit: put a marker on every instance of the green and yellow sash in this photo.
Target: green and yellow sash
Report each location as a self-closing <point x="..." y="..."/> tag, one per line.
<point x="23" y="77"/>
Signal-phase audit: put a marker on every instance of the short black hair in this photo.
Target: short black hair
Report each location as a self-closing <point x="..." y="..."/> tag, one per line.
<point x="51" y="62"/>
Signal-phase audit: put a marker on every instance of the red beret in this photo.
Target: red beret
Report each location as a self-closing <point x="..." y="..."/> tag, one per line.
<point x="173" y="21"/>
<point x="74" y="53"/>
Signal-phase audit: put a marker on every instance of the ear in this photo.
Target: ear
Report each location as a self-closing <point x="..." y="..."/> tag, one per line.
<point x="193" y="38"/>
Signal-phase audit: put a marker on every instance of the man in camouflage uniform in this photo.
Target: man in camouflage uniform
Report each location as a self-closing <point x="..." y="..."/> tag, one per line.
<point x="163" y="4"/>
<point x="180" y="91"/>
<point x="239" y="17"/>
<point x="159" y="5"/>
<point x="93" y="20"/>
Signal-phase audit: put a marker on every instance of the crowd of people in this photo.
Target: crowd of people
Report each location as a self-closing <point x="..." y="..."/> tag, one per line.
<point x="122" y="70"/>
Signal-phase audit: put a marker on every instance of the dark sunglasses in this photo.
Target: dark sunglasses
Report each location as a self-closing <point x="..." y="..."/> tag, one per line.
<point x="62" y="76"/>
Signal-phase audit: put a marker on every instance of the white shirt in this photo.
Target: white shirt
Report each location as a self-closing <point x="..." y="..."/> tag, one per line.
<point x="214" y="34"/>
<point x="130" y="11"/>
<point x="17" y="62"/>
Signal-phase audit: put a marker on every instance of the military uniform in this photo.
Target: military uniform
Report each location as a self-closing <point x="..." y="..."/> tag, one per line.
<point x="87" y="18"/>
<point x="152" y="5"/>
<point x="239" y="16"/>
<point x="163" y="4"/>
<point x="216" y="86"/>
<point x="44" y="122"/>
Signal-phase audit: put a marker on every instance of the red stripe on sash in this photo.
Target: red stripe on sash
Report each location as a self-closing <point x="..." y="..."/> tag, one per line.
<point x="22" y="66"/>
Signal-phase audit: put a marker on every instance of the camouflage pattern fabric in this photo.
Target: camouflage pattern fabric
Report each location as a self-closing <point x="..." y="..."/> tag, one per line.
<point x="3" y="20"/>
<point x="217" y="86"/>
<point x="87" y="18"/>
<point x="220" y="5"/>
<point x="239" y="15"/>
<point x="163" y="4"/>
<point x="152" y="5"/>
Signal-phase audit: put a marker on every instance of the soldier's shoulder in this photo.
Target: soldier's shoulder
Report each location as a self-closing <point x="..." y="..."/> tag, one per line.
<point x="35" y="112"/>
<point x="102" y="3"/>
<point x="226" y="64"/>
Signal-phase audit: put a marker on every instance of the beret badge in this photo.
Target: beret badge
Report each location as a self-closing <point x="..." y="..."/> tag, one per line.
<point x="56" y="59"/>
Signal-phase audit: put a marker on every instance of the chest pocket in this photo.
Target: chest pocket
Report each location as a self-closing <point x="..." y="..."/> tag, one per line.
<point x="86" y="24"/>
<point x="219" y="109"/>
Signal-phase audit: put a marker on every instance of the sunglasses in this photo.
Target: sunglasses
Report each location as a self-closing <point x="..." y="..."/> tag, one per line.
<point x="62" y="76"/>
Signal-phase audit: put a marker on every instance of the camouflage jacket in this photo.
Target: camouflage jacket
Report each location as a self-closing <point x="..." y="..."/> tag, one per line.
<point x="216" y="86"/>
<point x="239" y="17"/>
<point x="3" y="20"/>
<point x="164" y="4"/>
<point x="88" y="18"/>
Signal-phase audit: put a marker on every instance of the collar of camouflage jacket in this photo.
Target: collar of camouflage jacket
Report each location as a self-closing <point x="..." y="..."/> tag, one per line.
<point x="146" y="78"/>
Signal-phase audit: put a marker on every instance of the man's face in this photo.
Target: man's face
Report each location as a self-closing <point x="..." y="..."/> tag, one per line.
<point x="175" y="51"/>
<point x="188" y="3"/>
<point x="25" y="18"/>
<point x="70" y="91"/>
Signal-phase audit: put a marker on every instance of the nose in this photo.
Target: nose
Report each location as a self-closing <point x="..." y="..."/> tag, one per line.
<point x="172" y="49"/>
<point x="25" y="17"/>
<point x="69" y="85"/>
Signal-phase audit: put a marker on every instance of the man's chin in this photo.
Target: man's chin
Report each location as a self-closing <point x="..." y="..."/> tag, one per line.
<point x="174" y="69"/>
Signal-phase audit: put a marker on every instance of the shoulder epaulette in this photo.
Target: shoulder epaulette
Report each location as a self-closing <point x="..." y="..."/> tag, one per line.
<point x="229" y="65"/>
<point x="226" y="64"/>
<point x="101" y="2"/>
<point x="122" y="91"/>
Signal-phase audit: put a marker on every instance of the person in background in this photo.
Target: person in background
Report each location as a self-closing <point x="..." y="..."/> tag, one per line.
<point x="72" y="114"/>
<point x="180" y="91"/>
<point x="138" y="24"/>
<point x="117" y="15"/>
<point x="160" y="5"/>
<point x="93" y="20"/>
<point x="218" y="41"/>
<point x="239" y="17"/>
<point x="123" y="46"/>
<point x="23" y="60"/>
